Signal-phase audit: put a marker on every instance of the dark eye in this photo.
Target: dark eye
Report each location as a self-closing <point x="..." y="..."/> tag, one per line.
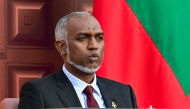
<point x="82" y="38"/>
<point x="99" y="37"/>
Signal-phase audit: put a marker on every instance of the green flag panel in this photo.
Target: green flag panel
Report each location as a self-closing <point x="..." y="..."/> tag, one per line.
<point x="168" y="24"/>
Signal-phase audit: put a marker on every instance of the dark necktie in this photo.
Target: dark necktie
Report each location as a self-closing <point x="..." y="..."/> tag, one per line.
<point x="91" y="102"/>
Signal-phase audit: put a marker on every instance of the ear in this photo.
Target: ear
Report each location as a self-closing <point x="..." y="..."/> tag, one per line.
<point x="61" y="47"/>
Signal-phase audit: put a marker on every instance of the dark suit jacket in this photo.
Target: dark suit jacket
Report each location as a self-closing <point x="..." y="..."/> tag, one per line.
<point x="56" y="91"/>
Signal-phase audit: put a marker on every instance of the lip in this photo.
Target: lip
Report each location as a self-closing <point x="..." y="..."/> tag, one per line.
<point x="93" y="57"/>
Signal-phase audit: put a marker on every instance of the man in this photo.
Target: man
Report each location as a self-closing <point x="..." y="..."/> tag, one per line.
<point x="79" y="40"/>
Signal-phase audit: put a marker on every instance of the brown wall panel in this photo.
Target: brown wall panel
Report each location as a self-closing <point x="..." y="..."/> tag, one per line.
<point x="18" y="74"/>
<point x="28" y="24"/>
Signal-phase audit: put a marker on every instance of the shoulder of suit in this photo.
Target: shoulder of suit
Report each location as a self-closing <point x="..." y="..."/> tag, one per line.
<point x="111" y="82"/>
<point x="115" y="86"/>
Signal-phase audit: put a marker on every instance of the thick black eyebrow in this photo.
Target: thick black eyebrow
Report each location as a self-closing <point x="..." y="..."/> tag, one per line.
<point x="88" y="34"/>
<point x="101" y="33"/>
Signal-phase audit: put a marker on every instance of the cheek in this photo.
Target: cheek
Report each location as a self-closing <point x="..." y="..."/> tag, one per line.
<point x="77" y="53"/>
<point x="77" y="50"/>
<point x="73" y="49"/>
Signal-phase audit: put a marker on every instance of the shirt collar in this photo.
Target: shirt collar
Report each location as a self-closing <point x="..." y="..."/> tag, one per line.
<point x="80" y="85"/>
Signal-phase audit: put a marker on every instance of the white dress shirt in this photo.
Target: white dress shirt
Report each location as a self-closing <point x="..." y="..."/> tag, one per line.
<point x="80" y="85"/>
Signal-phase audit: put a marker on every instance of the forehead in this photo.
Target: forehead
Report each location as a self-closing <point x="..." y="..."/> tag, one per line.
<point x="83" y="23"/>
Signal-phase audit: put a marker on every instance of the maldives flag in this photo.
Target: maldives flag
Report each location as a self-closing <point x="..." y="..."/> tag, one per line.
<point x="147" y="45"/>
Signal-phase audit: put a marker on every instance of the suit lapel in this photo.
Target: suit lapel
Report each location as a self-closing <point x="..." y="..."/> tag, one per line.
<point x="109" y="97"/>
<point x="69" y="98"/>
<point x="66" y="91"/>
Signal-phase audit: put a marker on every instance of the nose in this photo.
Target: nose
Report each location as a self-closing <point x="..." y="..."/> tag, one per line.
<point x="92" y="44"/>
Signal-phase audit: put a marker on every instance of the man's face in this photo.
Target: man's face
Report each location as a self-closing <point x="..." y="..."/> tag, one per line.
<point x="85" y="43"/>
